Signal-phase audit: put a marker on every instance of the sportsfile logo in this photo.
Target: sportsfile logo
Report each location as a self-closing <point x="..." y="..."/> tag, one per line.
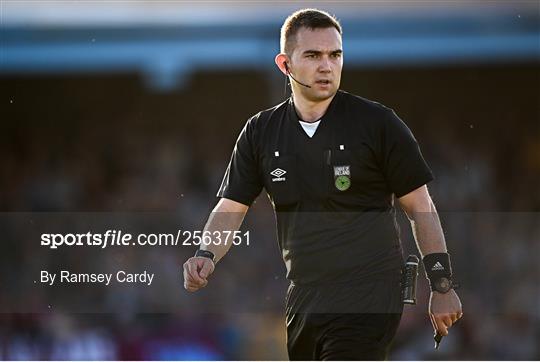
<point x="278" y="173"/>
<point x="437" y="266"/>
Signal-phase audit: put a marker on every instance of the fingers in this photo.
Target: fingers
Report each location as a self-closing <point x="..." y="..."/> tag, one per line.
<point x="191" y="287"/>
<point x="188" y="283"/>
<point x="207" y="268"/>
<point x="192" y="279"/>
<point x="193" y="272"/>
<point x="447" y="321"/>
<point x="442" y="322"/>
<point x="444" y="311"/>
<point x="456" y="315"/>
<point x="440" y="325"/>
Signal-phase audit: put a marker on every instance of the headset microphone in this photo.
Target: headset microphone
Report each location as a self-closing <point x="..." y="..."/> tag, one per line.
<point x="289" y="73"/>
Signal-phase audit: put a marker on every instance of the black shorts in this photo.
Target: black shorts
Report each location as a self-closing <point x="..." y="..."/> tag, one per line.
<point x="351" y="321"/>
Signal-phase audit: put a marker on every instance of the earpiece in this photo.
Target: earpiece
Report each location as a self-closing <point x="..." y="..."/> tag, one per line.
<point x="290" y="75"/>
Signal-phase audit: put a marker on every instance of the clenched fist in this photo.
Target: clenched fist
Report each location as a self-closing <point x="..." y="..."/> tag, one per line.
<point x="196" y="273"/>
<point x="444" y="311"/>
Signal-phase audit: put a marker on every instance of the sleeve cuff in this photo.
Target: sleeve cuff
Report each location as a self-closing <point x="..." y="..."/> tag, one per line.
<point x="428" y="177"/>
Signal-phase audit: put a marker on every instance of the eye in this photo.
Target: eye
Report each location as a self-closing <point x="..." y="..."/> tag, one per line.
<point x="311" y="56"/>
<point x="336" y="55"/>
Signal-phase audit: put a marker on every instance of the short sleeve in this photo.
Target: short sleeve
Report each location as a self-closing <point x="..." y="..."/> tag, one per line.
<point x="403" y="164"/>
<point x="242" y="182"/>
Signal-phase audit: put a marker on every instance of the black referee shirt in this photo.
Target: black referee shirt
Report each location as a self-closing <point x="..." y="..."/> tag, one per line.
<point x="332" y="193"/>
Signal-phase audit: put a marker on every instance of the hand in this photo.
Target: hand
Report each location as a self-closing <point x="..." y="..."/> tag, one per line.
<point x="196" y="273"/>
<point x="444" y="310"/>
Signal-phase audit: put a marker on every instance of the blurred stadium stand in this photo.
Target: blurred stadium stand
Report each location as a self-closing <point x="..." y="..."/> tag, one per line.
<point x="135" y="106"/>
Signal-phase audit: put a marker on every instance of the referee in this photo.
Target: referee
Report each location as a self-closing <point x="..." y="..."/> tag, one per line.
<point x="333" y="164"/>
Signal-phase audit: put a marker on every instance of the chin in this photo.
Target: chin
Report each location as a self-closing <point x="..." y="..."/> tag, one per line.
<point x="321" y="96"/>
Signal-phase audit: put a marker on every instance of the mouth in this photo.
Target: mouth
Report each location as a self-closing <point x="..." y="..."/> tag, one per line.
<point x="323" y="81"/>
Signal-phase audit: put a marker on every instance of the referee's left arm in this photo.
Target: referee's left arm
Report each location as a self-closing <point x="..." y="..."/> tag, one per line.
<point x="445" y="308"/>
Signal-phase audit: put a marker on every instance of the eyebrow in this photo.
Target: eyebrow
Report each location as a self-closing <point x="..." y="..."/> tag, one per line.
<point x="318" y="52"/>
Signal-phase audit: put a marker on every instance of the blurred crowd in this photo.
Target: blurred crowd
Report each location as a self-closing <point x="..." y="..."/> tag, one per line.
<point x="108" y="145"/>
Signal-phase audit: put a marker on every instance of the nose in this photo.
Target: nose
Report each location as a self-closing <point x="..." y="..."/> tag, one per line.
<point x="324" y="65"/>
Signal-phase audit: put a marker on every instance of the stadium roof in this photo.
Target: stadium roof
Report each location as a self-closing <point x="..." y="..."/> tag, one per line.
<point x="167" y="40"/>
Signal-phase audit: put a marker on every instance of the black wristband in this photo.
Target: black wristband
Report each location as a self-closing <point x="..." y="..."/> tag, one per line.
<point x="205" y="254"/>
<point x="437" y="265"/>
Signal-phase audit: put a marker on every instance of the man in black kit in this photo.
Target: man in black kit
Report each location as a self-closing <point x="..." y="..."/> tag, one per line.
<point x="332" y="164"/>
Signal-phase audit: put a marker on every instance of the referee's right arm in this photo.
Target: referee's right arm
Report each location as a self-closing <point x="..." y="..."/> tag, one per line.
<point x="227" y="217"/>
<point x="240" y="186"/>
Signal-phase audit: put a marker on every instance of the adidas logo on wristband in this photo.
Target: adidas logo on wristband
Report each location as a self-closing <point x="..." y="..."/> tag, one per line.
<point x="437" y="266"/>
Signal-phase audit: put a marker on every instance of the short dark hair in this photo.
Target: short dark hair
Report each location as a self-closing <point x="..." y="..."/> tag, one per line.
<point x="305" y="18"/>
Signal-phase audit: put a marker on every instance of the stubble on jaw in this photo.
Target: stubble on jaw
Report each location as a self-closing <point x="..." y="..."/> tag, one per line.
<point x="315" y="98"/>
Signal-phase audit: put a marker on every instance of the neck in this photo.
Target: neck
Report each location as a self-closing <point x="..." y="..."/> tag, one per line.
<point x="310" y="111"/>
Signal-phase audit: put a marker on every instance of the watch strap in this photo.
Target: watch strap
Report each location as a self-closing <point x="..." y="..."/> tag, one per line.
<point x="205" y="254"/>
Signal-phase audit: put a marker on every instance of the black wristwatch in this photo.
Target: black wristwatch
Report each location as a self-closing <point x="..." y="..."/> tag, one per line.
<point x="206" y="254"/>
<point x="443" y="285"/>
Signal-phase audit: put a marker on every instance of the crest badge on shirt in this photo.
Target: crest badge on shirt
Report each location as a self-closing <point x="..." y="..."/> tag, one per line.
<point x="342" y="177"/>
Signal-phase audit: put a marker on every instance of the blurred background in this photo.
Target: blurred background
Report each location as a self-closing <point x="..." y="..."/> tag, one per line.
<point x="134" y="106"/>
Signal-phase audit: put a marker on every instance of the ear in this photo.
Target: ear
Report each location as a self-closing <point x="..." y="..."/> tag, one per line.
<point x="280" y="60"/>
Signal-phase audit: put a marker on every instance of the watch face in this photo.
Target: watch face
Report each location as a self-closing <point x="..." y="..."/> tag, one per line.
<point x="442" y="285"/>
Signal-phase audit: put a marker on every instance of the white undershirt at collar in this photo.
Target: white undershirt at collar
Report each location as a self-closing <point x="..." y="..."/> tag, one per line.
<point x="310" y="128"/>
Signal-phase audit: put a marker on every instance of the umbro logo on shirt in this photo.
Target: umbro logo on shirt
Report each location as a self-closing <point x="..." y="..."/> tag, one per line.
<point x="437" y="266"/>
<point x="278" y="173"/>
